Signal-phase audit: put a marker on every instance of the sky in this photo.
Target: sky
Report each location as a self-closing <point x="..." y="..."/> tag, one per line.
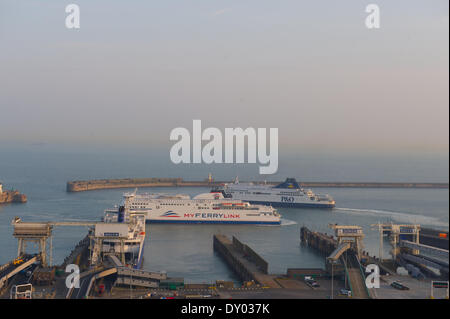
<point x="137" y="69"/>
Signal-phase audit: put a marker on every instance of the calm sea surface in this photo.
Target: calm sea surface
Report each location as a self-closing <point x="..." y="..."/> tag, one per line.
<point x="186" y="250"/>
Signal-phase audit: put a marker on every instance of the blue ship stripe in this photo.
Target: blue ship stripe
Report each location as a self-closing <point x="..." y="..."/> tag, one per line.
<point x="292" y="205"/>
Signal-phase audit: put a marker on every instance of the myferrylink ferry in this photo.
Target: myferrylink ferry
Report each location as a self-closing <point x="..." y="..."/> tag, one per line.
<point x="206" y="208"/>
<point x="286" y="194"/>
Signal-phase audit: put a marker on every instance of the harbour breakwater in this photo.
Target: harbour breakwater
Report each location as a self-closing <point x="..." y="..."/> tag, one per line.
<point x="87" y="185"/>
<point x="12" y="197"/>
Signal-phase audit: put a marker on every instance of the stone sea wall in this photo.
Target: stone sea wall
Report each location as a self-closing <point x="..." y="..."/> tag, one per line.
<point x="80" y="186"/>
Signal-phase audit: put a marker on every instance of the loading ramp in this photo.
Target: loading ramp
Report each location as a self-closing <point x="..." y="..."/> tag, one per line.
<point x="343" y="247"/>
<point x="355" y="276"/>
<point x="10" y="269"/>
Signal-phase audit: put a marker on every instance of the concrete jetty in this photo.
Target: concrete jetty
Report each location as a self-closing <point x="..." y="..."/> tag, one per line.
<point x="324" y="243"/>
<point x="87" y="185"/>
<point x="246" y="263"/>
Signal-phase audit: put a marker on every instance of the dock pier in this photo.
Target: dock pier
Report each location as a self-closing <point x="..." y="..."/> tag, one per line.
<point x="244" y="261"/>
<point x="343" y="253"/>
<point x="324" y="243"/>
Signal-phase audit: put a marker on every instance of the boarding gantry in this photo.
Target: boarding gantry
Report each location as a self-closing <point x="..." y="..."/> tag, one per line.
<point x="40" y="233"/>
<point x="395" y="230"/>
<point x="348" y="237"/>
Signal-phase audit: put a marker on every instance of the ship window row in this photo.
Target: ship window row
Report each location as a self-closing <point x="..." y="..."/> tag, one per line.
<point x="290" y="194"/>
<point x="235" y="208"/>
<point x="173" y="204"/>
<point x="113" y="243"/>
<point x="146" y="204"/>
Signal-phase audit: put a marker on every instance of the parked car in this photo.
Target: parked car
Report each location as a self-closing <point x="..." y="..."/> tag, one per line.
<point x="398" y="285"/>
<point x="18" y="261"/>
<point x="345" y="292"/>
<point x="311" y="282"/>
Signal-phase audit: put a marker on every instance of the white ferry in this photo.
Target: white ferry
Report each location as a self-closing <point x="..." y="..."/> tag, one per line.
<point x="206" y="208"/>
<point x="286" y="194"/>
<point x="128" y="226"/>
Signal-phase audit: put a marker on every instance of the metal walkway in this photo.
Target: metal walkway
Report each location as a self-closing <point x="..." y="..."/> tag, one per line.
<point x="339" y="251"/>
<point x="356" y="277"/>
<point x="87" y="280"/>
<point x="125" y="276"/>
<point x="353" y="270"/>
<point x="137" y="273"/>
<point x="426" y="250"/>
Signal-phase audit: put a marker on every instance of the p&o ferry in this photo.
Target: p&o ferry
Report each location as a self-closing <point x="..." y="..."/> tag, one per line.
<point x="286" y="194"/>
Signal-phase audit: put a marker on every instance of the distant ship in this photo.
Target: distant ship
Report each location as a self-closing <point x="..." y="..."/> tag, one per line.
<point x="205" y="208"/>
<point x="286" y="194"/>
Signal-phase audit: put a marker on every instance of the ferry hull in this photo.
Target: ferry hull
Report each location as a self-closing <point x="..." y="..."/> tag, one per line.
<point x="294" y="205"/>
<point x="234" y="222"/>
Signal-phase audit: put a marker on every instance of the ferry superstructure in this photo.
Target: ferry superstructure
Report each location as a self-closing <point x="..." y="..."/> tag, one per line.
<point x="129" y="228"/>
<point x="286" y="194"/>
<point x="205" y="208"/>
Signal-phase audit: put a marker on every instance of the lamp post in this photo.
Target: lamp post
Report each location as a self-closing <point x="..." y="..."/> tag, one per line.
<point x="332" y="288"/>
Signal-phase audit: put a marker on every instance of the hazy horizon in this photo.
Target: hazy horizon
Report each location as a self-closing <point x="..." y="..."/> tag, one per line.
<point x="136" y="70"/>
<point x="79" y="162"/>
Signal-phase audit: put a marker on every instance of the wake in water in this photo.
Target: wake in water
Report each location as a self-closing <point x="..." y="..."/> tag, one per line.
<point x="284" y="222"/>
<point x="287" y="222"/>
<point x="395" y="216"/>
